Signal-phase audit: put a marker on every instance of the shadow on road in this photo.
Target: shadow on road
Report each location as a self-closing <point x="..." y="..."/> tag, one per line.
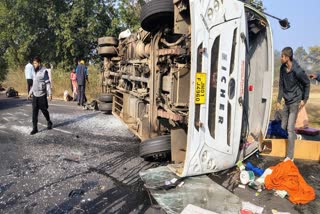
<point x="128" y="194"/>
<point x="6" y="103"/>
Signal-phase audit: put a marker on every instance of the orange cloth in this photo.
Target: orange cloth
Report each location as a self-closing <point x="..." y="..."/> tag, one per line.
<point x="286" y="176"/>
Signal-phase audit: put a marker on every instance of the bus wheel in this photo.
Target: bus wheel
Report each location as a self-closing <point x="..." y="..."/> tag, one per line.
<point x="156" y="14"/>
<point x="156" y="149"/>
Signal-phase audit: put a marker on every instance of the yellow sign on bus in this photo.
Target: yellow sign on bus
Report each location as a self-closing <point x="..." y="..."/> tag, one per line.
<point x="200" y="88"/>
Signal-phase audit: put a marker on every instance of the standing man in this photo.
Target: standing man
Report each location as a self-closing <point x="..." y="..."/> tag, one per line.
<point x="294" y="87"/>
<point x="40" y="87"/>
<point x="82" y="77"/>
<point x="28" y="71"/>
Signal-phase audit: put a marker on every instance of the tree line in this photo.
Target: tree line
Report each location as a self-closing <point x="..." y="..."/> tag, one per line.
<point x="60" y="30"/>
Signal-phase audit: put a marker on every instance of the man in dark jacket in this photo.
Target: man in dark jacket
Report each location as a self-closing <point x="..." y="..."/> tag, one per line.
<point x="294" y="87"/>
<point x="40" y="88"/>
<point x="82" y="77"/>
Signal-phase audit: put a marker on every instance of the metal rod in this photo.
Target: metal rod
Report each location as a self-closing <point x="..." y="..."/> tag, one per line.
<point x="271" y="15"/>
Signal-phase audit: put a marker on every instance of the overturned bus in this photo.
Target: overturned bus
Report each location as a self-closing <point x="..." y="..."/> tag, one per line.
<point x="194" y="83"/>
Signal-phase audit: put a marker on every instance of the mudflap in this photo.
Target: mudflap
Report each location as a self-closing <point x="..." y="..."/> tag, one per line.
<point x="174" y="193"/>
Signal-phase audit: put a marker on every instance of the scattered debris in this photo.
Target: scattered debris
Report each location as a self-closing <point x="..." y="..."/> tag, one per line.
<point x="286" y="176"/>
<point x="242" y="186"/>
<point x="246" y="177"/>
<point x="91" y="106"/>
<point x="168" y="184"/>
<point x="76" y="193"/>
<point x="11" y="92"/>
<point x="281" y="193"/>
<point x="274" y="211"/>
<point x="244" y="211"/>
<point x="252" y="207"/>
<point x="71" y="160"/>
<point x="240" y="165"/>
<point x="191" y="209"/>
<point x="66" y="96"/>
<point x="256" y="170"/>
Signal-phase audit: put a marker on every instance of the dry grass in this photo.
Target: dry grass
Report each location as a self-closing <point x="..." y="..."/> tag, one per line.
<point x="61" y="82"/>
<point x="313" y="105"/>
<point x="16" y="79"/>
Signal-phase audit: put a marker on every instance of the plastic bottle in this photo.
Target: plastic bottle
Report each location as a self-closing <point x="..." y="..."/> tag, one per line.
<point x="256" y="170"/>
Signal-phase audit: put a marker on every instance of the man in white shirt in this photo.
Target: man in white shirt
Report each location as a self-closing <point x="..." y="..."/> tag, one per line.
<point x="28" y="71"/>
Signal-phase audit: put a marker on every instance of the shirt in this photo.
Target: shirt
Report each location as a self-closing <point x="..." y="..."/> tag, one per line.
<point x="28" y="71"/>
<point x="41" y="83"/>
<point x="294" y="85"/>
<point x="73" y="77"/>
<point x="85" y="70"/>
<point x="82" y="74"/>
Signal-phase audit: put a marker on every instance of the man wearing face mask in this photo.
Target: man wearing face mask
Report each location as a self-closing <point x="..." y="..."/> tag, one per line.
<point x="40" y="88"/>
<point x="294" y="87"/>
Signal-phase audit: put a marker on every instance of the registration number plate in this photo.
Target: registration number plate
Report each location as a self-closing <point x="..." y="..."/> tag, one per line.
<point x="200" y="88"/>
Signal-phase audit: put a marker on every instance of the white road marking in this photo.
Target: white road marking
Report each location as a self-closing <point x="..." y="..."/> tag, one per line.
<point x="60" y="130"/>
<point x="51" y="104"/>
<point x="6" y="119"/>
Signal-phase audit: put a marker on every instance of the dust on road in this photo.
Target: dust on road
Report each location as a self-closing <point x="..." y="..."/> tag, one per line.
<point x="87" y="164"/>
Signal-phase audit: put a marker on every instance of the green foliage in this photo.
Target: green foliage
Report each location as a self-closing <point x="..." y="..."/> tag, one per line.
<point x="129" y="11"/>
<point x="3" y="69"/>
<point x="78" y="28"/>
<point x="58" y="30"/>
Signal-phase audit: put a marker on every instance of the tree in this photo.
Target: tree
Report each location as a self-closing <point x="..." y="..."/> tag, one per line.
<point x="56" y="30"/>
<point x="314" y="54"/>
<point x="314" y="58"/>
<point x="300" y="55"/>
<point x="3" y="43"/>
<point x="78" y="28"/>
<point x="129" y="11"/>
<point x="277" y="64"/>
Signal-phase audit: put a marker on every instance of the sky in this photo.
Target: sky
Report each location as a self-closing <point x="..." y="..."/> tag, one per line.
<point x="304" y="18"/>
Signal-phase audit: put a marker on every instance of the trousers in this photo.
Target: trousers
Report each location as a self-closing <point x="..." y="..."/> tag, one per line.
<point x="39" y="103"/>
<point x="29" y="83"/>
<point x="289" y="117"/>
<point x="82" y="94"/>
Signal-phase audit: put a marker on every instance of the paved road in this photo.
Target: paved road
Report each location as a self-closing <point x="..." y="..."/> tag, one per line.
<point x="89" y="152"/>
<point x="89" y="164"/>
